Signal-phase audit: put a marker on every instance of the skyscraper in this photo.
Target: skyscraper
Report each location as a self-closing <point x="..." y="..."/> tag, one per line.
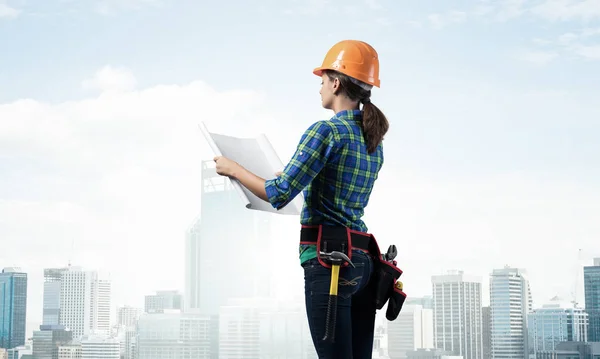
<point x="591" y="282"/>
<point x="457" y="320"/>
<point x="413" y="329"/>
<point x="163" y="299"/>
<point x="226" y="248"/>
<point x="84" y="302"/>
<point x="510" y="303"/>
<point x="486" y="330"/>
<point x="51" y="308"/>
<point x="557" y="321"/>
<point x="13" y="307"/>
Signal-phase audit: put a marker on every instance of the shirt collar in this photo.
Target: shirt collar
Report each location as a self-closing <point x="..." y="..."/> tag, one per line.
<point x="349" y="114"/>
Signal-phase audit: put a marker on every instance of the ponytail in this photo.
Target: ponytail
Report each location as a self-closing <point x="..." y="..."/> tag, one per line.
<point x="375" y="125"/>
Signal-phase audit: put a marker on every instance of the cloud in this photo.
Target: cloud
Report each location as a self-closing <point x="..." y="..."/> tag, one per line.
<point x="495" y="219"/>
<point x="588" y="52"/>
<point x="109" y="78"/>
<point x="309" y="7"/>
<point x="439" y="21"/>
<point x="539" y="57"/>
<point x="580" y="43"/>
<point x="373" y="4"/>
<point x="112" y="181"/>
<point x="564" y="10"/>
<point x="499" y="10"/>
<point x="107" y="7"/>
<point x="505" y="10"/>
<point x="7" y="11"/>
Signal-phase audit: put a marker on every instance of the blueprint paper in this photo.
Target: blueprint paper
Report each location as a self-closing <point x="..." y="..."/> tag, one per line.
<point x="258" y="156"/>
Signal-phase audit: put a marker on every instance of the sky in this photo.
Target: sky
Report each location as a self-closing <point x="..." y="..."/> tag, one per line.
<point x="491" y="158"/>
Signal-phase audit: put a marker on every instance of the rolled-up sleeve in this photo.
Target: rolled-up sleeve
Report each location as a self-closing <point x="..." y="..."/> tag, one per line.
<point x="315" y="147"/>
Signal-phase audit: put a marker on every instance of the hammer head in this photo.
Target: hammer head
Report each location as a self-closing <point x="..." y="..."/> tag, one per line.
<point x="338" y="258"/>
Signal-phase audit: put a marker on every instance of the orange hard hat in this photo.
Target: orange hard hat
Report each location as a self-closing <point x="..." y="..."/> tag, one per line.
<point x="354" y="58"/>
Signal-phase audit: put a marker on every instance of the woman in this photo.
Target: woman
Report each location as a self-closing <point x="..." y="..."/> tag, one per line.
<point x="336" y="164"/>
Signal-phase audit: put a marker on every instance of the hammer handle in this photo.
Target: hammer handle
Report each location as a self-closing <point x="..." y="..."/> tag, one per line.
<point x="331" y="317"/>
<point x="332" y="304"/>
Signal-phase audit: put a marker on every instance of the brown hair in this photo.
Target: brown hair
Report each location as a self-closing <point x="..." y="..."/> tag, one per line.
<point x="374" y="123"/>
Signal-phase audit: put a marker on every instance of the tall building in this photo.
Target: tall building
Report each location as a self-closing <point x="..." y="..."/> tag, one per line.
<point x="127" y="316"/>
<point x="572" y="350"/>
<point x="84" y="302"/>
<point x="13" y="307"/>
<point x="69" y="352"/>
<point x="51" y="305"/>
<point x="457" y="319"/>
<point x="264" y="328"/>
<point x="413" y="329"/>
<point x="556" y="322"/>
<point x="176" y="335"/>
<point x="48" y="339"/>
<point x="431" y="354"/>
<point x="100" y="346"/>
<point x="226" y="237"/>
<point x="486" y="330"/>
<point x="591" y="282"/>
<point x="510" y="303"/>
<point x="164" y="299"/>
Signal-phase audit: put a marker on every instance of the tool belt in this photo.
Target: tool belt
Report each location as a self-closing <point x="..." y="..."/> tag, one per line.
<point x="384" y="280"/>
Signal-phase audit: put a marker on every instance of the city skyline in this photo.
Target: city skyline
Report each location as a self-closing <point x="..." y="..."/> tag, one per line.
<point x="456" y="297"/>
<point x="33" y="323"/>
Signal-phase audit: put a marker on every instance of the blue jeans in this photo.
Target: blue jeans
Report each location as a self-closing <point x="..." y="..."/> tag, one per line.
<point x="355" y="323"/>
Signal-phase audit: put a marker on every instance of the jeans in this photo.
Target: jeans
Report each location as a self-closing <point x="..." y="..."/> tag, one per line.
<point x="355" y="323"/>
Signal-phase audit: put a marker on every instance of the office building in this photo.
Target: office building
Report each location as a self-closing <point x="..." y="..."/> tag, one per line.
<point x="48" y="339"/>
<point x="51" y="305"/>
<point x="225" y="248"/>
<point x="176" y="335"/>
<point x="13" y="307"/>
<point x="486" y="331"/>
<point x="164" y="299"/>
<point x="412" y="329"/>
<point x="84" y="302"/>
<point x="591" y="282"/>
<point x="556" y="322"/>
<point x="510" y="303"/>
<point x="457" y="317"/>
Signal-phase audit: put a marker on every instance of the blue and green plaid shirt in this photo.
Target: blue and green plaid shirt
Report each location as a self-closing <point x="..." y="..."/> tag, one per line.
<point x="333" y="168"/>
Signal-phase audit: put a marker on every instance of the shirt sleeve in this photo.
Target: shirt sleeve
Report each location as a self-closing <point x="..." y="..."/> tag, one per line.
<point x="315" y="147"/>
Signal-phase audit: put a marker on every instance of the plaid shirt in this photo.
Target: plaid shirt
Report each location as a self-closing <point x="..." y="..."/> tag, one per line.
<point x="331" y="165"/>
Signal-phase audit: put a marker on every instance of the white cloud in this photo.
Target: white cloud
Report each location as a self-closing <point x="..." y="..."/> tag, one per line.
<point x="496" y="220"/>
<point x="116" y="175"/>
<point x="589" y="52"/>
<point x="106" y="7"/>
<point x="556" y="10"/>
<point x="110" y="78"/>
<point x="309" y="7"/>
<point x="439" y="21"/>
<point x="373" y="4"/>
<point x="539" y="57"/>
<point x="580" y="43"/>
<point x="7" y="11"/>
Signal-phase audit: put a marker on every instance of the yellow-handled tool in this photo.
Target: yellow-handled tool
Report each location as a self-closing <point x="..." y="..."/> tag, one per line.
<point x="336" y="259"/>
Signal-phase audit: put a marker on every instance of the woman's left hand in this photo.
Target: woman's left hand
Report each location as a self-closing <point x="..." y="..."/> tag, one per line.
<point x="225" y="166"/>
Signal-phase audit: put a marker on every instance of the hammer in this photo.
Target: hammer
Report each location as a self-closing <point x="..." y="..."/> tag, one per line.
<point x="337" y="259"/>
